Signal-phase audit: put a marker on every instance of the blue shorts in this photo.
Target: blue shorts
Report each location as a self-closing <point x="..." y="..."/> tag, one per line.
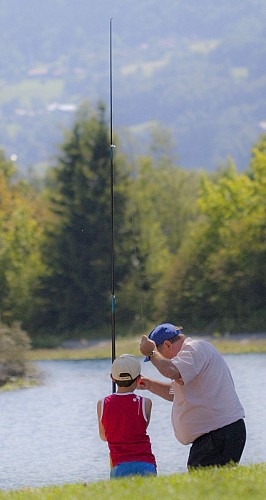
<point x="133" y="469"/>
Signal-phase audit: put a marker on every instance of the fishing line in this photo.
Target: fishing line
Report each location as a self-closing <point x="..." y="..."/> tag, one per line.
<point x="138" y="272"/>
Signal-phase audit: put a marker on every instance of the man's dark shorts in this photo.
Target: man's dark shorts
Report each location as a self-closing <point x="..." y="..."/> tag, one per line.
<point x="219" y="447"/>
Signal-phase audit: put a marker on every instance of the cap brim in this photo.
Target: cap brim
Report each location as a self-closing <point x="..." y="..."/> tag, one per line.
<point x="146" y="359"/>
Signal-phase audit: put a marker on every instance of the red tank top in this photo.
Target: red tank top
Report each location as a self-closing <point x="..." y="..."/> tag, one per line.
<point x="124" y="422"/>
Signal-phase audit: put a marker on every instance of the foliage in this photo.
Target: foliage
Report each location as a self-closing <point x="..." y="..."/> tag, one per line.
<point x="217" y="483"/>
<point x="14" y="344"/>
<point x="76" y="290"/>
<point x="162" y="200"/>
<point x="189" y="249"/>
<point x="21" y="225"/>
<point x="219" y="275"/>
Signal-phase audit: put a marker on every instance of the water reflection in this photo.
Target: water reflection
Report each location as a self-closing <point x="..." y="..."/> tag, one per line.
<point x="49" y="434"/>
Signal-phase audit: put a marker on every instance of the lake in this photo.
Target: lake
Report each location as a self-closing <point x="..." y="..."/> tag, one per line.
<point x="49" y="433"/>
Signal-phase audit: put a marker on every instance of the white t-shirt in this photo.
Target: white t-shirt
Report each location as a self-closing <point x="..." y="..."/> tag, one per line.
<point x="207" y="400"/>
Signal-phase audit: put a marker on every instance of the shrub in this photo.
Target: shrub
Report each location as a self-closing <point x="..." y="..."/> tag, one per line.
<point x="14" y="344"/>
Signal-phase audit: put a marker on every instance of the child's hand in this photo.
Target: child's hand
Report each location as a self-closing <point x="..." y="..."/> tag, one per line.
<point x="144" y="383"/>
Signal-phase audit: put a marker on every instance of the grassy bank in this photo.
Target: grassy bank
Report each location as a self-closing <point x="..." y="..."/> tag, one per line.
<point x="229" y="482"/>
<point x="102" y="349"/>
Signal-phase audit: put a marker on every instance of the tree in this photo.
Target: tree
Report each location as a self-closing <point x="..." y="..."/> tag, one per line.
<point x="21" y="229"/>
<point x="218" y="280"/>
<point x="75" y="294"/>
<point x="162" y="203"/>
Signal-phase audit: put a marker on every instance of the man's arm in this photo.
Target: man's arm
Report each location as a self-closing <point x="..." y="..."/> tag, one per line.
<point x="156" y="387"/>
<point x="163" y="365"/>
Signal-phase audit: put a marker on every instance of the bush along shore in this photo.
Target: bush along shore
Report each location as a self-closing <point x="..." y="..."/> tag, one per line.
<point x="15" y="369"/>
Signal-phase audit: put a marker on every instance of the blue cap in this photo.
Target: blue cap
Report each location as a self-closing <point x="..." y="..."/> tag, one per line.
<point x="163" y="332"/>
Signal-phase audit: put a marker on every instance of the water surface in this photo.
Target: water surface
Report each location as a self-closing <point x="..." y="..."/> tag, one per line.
<point x="49" y="434"/>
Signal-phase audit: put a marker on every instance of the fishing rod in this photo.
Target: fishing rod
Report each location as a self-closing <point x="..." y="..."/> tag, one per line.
<point x="112" y="146"/>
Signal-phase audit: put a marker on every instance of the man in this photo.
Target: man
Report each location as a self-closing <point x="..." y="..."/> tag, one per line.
<point x="206" y="409"/>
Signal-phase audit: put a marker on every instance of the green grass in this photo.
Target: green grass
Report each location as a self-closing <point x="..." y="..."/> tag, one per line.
<point x="230" y="483"/>
<point x="18" y="383"/>
<point x="27" y="90"/>
<point x="102" y="349"/>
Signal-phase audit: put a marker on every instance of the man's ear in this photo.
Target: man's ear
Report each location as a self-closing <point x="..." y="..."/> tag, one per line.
<point x="111" y="377"/>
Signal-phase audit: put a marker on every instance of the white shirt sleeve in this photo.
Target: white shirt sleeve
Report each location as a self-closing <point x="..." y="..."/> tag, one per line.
<point x="190" y="361"/>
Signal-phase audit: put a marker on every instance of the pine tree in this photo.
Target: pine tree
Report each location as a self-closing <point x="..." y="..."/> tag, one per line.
<point x="76" y="293"/>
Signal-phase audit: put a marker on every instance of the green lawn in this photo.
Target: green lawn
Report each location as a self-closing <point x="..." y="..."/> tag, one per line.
<point x="102" y="349"/>
<point x="243" y="482"/>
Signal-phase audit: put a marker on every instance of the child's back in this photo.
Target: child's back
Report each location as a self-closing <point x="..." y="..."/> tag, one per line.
<point x="123" y="419"/>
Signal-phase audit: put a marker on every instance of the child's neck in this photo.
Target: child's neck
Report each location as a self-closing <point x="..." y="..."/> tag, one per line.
<point x="124" y="390"/>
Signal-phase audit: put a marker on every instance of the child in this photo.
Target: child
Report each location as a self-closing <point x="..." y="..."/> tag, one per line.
<point x="123" y="419"/>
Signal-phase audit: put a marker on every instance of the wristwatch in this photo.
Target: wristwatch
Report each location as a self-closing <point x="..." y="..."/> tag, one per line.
<point x="151" y="354"/>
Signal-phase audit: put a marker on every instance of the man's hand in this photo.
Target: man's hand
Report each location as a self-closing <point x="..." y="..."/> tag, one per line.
<point x="146" y="345"/>
<point x="144" y="383"/>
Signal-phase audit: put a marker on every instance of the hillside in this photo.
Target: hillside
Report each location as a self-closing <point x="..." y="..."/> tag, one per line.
<point x="196" y="68"/>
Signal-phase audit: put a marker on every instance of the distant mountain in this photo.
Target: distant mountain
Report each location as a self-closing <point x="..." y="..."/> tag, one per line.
<point x="195" y="68"/>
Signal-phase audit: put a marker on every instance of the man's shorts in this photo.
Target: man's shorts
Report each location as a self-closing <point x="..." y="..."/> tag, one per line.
<point x="219" y="447"/>
<point x="133" y="469"/>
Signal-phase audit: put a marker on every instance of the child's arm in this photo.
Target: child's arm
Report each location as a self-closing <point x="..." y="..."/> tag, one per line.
<point x="148" y="407"/>
<point x="100" y="425"/>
